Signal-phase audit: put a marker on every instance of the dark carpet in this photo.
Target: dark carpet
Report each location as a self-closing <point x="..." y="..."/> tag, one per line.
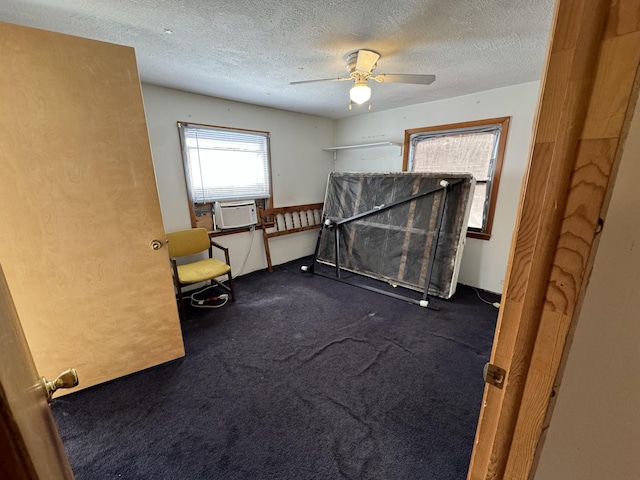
<point x="301" y="378"/>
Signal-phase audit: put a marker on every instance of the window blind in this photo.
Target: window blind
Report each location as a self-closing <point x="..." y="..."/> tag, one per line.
<point x="472" y="150"/>
<point x="224" y="164"/>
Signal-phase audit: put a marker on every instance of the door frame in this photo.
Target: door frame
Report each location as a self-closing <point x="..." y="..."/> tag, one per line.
<point x="587" y="98"/>
<point x="30" y="446"/>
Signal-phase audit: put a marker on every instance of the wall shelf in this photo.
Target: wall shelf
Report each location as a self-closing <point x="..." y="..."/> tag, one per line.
<point x="362" y="145"/>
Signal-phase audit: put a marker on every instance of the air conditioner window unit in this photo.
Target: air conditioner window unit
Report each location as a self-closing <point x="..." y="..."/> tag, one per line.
<point x="238" y="214"/>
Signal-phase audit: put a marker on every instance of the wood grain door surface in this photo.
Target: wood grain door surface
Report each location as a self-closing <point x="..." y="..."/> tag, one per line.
<point x="80" y="208"/>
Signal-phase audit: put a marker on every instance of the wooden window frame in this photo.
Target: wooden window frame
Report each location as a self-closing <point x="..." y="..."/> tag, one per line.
<point x="263" y="203"/>
<point x="484" y="234"/>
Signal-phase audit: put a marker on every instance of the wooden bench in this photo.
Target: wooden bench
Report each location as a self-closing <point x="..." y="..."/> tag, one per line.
<point x="286" y="220"/>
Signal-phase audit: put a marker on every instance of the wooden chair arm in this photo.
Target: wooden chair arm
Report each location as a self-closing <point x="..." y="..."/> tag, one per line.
<point x="224" y="249"/>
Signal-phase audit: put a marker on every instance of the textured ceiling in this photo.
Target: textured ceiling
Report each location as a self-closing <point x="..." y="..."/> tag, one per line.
<point x="249" y="50"/>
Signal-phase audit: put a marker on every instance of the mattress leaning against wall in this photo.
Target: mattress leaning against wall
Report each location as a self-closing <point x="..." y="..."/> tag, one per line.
<point x="395" y="245"/>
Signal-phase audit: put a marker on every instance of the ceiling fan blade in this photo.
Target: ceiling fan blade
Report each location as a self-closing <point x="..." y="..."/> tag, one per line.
<point x="404" y="78"/>
<point x="366" y="60"/>
<point x="339" y="79"/>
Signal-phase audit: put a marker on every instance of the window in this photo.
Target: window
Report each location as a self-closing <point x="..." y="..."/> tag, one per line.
<point x="473" y="147"/>
<point x="225" y="164"/>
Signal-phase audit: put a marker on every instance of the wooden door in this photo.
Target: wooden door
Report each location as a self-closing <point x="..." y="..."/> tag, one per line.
<point x="80" y="208"/>
<point x="30" y="447"/>
<point x="587" y="99"/>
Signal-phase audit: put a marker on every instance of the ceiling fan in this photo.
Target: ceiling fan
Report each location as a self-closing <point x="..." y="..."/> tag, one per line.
<point x="360" y="65"/>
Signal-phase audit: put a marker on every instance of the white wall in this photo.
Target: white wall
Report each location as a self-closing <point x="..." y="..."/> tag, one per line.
<point x="299" y="165"/>
<point x="484" y="262"/>
<point x="595" y="428"/>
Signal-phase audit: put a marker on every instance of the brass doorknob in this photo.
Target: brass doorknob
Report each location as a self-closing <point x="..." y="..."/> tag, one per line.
<point x="67" y="379"/>
<point x="155" y="244"/>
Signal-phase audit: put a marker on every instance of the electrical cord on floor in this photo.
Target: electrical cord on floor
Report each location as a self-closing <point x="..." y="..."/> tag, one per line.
<point x="494" y="304"/>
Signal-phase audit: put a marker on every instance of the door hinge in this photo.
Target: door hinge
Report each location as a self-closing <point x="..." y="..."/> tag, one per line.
<point x="494" y="375"/>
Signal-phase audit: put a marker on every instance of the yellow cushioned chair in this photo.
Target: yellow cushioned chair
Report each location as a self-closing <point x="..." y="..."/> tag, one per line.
<point x="189" y="242"/>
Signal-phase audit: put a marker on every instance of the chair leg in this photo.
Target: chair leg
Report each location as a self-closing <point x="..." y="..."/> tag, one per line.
<point x="182" y="313"/>
<point x="181" y="308"/>
<point x="233" y="292"/>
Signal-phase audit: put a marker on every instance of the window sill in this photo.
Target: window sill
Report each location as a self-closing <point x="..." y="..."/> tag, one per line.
<point x="478" y="235"/>
<point x="222" y="233"/>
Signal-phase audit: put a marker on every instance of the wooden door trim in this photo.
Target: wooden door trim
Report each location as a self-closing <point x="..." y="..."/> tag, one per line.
<point x="14" y="454"/>
<point x="30" y="446"/>
<point x="587" y="97"/>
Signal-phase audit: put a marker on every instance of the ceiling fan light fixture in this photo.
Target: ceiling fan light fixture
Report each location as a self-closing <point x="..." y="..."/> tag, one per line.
<point x="360" y="92"/>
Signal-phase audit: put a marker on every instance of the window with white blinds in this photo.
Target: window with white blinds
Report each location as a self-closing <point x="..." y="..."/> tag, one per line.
<point x="471" y="147"/>
<point x="225" y="164"/>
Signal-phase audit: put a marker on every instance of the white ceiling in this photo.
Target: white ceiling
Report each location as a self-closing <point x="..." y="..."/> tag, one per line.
<point x="249" y="50"/>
